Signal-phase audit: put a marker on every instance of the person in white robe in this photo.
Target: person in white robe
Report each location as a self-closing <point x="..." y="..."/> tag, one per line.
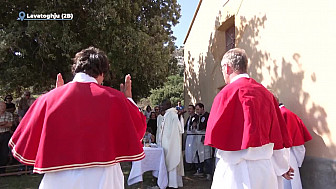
<point x="280" y="162"/>
<point x="296" y="158"/>
<point x="159" y="120"/>
<point x="242" y="123"/>
<point x="171" y="141"/>
<point x="299" y="134"/>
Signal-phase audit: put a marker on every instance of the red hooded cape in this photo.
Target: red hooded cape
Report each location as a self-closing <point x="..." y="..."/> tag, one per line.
<point x="245" y="114"/>
<point x="297" y="130"/>
<point x="79" y="125"/>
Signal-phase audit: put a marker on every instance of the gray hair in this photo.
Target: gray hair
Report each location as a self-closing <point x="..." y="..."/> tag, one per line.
<point x="237" y="59"/>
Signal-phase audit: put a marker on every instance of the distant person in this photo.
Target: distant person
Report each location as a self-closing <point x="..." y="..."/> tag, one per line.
<point x="159" y="123"/>
<point x="204" y="153"/>
<point x="180" y="108"/>
<point x="30" y="101"/>
<point x="157" y="111"/>
<point x="148" y="137"/>
<point x="247" y="127"/>
<point x="152" y="123"/>
<point x="180" y="111"/>
<point x="6" y="122"/>
<point x="148" y="112"/>
<point x="299" y="134"/>
<point x="77" y="134"/>
<point x="172" y="145"/>
<point x="190" y="142"/>
<point x="23" y="104"/>
<point x="10" y="106"/>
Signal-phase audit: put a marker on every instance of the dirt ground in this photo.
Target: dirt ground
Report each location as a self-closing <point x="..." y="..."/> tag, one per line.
<point x="149" y="182"/>
<point x="31" y="181"/>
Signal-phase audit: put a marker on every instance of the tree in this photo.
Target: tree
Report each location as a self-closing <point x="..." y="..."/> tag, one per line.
<point x="179" y="56"/>
<point x="172" y="89"/>
<point x="135" y="34"/>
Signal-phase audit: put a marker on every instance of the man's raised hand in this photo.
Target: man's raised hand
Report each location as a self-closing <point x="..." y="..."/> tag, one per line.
<point x="59" y="80"/>
<point x="127" y="87"/>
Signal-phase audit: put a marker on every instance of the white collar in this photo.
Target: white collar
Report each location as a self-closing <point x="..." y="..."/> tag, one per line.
<point x="239" y="76"/>
<point x="281" y="106"/>
<point x="83" y="77"/>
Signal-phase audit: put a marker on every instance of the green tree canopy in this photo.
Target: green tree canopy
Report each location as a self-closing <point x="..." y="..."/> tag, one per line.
<point x="172" y="89"/>
<point x="135" y="34"/>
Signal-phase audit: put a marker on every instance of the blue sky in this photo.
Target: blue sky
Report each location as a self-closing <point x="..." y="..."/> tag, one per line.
<point x="188" y="8"/>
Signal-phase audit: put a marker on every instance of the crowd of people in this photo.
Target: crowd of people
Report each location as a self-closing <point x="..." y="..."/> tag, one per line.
<point x="191" y="134"/>
<point x="10" y="116"/>
<point x="248" y="140"/>
<point x="196" y="153"/>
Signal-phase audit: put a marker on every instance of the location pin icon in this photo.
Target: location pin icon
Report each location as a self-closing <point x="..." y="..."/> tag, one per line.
<point x="22" y="15"/>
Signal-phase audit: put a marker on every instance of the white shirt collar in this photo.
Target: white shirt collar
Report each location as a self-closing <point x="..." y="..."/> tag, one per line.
<point x="83" y="77"/>
<point x="281" y="106"/>
<point x="239" y="76"/>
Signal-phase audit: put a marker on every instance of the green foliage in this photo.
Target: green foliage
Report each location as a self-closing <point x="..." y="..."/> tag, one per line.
<point x="172" y="89"/>
<point x="135" y="34"/>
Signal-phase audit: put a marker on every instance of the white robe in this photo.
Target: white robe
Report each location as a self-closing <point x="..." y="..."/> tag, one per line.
<point x="204" y="152"/>
<point x="280" y="161"/>
<point x="159" y="120"/>
<point x="297" y="154"/>
<point x="194" y="144"/>
<point x="86" y="178"/>
<point x="171" y="140"/>
<point x="250" y="168"/>
<point x="195" y="150"/>
<point x="190" y="147"/>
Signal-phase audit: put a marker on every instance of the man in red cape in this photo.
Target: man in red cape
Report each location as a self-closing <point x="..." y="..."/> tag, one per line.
<point x="246" y="126"/>
<point x="299" y="134"/>
<point x="79" y="132"/>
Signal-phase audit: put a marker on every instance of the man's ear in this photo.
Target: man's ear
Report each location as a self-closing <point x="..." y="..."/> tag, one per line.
<point x="228" y="69"/>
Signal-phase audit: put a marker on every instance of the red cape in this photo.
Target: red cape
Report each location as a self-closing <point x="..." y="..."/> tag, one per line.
<point x="245" y="114"/>
<point x="297" y="130"/>
<point x="79" y="125"/>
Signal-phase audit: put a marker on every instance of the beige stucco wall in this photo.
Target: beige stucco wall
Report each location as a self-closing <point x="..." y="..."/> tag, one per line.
<point x="291" y="49"/>
<point x="202" y="75"/>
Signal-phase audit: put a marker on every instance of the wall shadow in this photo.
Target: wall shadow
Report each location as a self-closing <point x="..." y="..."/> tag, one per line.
<point x="286" y="83"/>
<point x="202" y="85"/>
<point x="191" y="81"/>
